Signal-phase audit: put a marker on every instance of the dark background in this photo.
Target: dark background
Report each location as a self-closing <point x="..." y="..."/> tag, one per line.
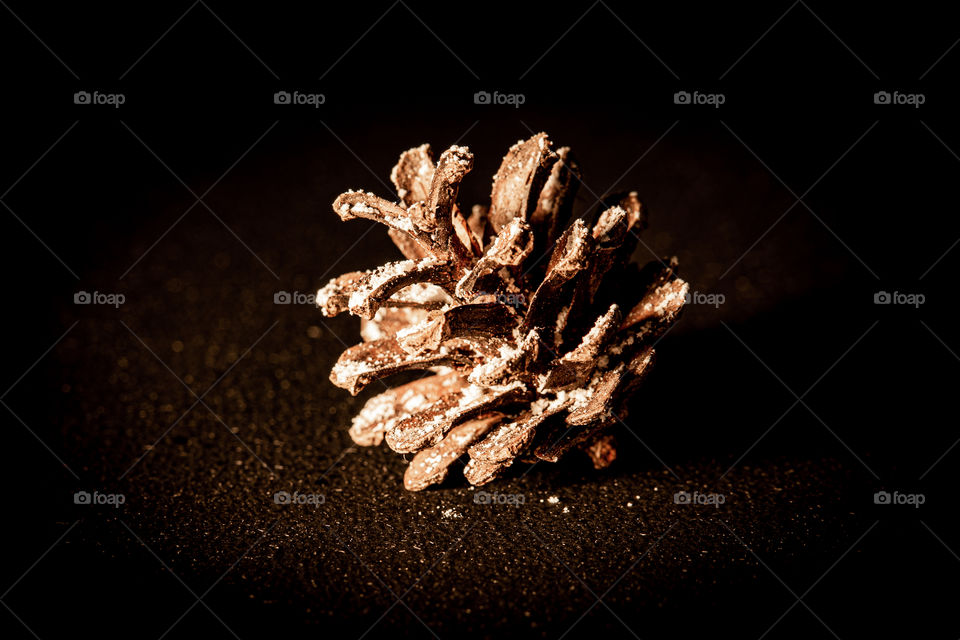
<point x="103" y="199"/>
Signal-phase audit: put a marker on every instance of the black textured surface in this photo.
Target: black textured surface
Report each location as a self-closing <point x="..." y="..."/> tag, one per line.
<point x="200" y="484"/>
<point x="116" y="399"/>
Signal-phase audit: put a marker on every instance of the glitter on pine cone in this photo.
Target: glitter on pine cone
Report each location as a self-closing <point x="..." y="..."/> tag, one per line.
<point x="531" y="337"/>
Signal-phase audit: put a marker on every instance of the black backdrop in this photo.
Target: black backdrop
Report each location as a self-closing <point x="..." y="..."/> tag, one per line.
<point x="798" y="200"/>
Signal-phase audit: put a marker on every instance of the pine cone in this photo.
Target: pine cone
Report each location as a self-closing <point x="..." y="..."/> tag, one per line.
<point x="520" y="324"/>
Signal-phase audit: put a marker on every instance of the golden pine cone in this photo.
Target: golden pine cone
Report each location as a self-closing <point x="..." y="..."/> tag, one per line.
<point x="528" y="358"/>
